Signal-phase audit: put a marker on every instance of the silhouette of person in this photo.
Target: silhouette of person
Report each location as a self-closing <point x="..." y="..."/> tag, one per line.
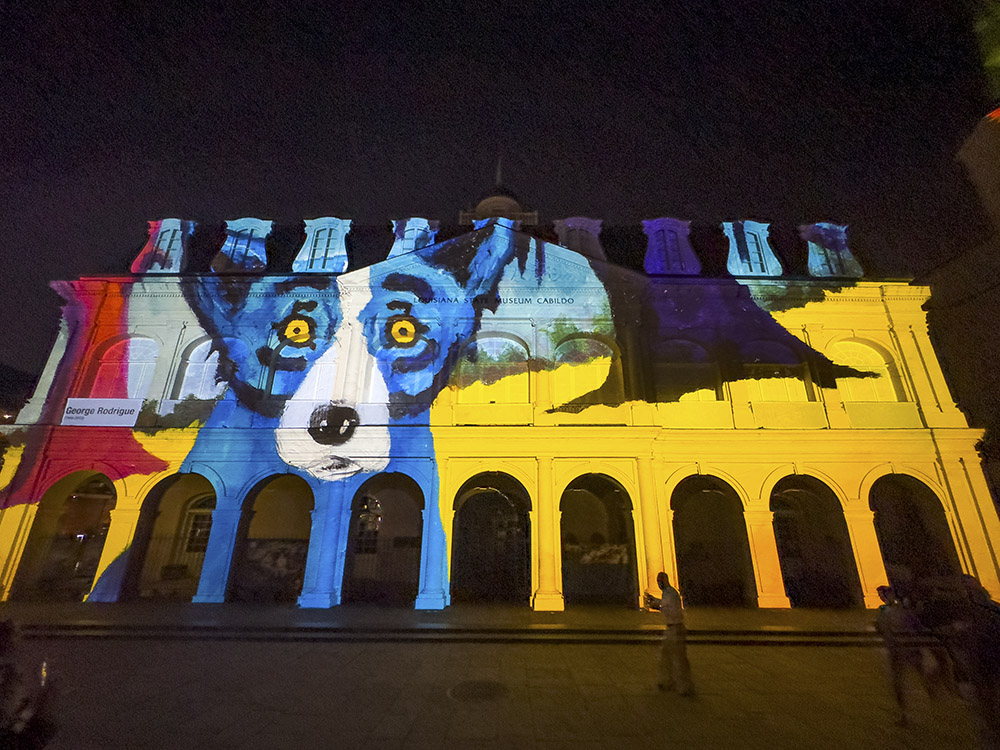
<point x="962" y="614"/>
<point x="675" y="671"/>
<point x="25" y="715"/>
<point x="899" y="625"/>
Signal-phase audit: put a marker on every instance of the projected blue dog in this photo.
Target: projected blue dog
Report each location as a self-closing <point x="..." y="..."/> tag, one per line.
<point x="336" y="363"/>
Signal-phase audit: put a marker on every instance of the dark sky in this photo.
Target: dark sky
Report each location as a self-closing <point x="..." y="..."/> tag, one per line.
<point x="785" y="111"/>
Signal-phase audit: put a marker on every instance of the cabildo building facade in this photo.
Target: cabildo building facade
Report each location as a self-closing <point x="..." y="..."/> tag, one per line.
<point x="491" y="417"/>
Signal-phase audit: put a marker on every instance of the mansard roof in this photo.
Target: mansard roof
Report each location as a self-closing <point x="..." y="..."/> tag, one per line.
<point x="624" y="244"/>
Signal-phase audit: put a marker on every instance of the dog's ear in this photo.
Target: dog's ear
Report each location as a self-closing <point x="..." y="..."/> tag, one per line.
<point x="216" y="300"/>
<point x="477" y="260"/>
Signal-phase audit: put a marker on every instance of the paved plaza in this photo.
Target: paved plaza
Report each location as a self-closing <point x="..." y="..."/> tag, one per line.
<point x="280" y="692"/>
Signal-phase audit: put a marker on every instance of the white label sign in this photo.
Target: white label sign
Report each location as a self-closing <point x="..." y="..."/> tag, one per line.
<point x="102" y="412"/>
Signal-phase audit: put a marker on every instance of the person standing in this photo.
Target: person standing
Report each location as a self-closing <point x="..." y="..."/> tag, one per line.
<point x="899" y="626"/>
<point x="675" y="671"/>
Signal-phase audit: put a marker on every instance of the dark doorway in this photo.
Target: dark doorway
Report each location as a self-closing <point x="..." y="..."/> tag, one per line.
<point x="383" y="544"/>
<point x="269" y="560"/>
<point x="491" y="560"/>
<point x="710" y="536"/>
<point x="598" y="543"/>
<point x="170" y="540"/>
<point x="814" y="547"/>
<point x="912" y="531"/>
<point x="64" y="546"/>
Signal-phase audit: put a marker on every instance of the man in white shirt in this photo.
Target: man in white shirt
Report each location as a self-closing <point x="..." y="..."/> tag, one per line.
<point x="675" y="671"/>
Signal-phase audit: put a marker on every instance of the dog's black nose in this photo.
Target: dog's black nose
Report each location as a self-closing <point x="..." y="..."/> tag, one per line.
<point x="333" y="424"/>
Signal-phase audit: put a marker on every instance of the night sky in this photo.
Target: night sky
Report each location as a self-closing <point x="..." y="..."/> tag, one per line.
<point x="786" y="111"/>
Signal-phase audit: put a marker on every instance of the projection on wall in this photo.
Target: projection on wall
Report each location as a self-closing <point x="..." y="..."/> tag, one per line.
<point x="335" y="378"/>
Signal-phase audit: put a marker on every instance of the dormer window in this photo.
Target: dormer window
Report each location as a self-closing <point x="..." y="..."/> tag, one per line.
<point x="241" y="246"/>
<point x="755" y="255"/>
<point x="164" y="249"/>
<point x="829" y="256"/>
<point x="749" y="251"/>
<point x="412" y="234"/>
<point x="168" y="243"/>
<point x="668" y="251"/>
<point x="244" y="248"/>
<point x="581" y="235"/>
<point x="324" y="250"/>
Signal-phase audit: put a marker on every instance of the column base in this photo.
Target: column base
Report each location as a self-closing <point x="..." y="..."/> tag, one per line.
<point x="430" y="600"/>
<point x="319" y="600"/>
<point x="773" y="601"/>
<point x="548" y="602"/>
<point x="872" y="601"/>
<point x="101" y="596"/>
<point x="208" y="599"/>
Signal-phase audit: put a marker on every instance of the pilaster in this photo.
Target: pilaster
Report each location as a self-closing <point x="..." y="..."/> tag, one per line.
<point x="867" y="554"/>
<point x="320" y="587"/>
<point x="114" y="556"/>
<point x="15" y="525"/>
<point x="549" y="596"/>
<point x="651" y="542"/>
<point x="764" y="554"/>
<point x="219" y="555"/>
<point x="432" y="592"/>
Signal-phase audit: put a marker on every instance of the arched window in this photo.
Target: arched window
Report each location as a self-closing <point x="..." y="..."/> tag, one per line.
<point x="775" y="373"/>
<point x="199" y="369"/>
<point x="125" y="369"/>
<point x="684" y="371"/>
<point x="493" y="369"/>
<point x="594" y="374"/>
<point x="884" y="383"/>
<point x="197" y="525"/>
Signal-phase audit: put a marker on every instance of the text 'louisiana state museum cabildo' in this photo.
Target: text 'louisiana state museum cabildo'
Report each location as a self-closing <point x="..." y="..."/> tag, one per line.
<point x="502" y="415"/>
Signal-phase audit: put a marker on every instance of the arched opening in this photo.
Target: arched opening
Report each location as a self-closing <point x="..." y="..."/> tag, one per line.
<point x="685" y="371"/>
<point x="197" y="376"/>
<point x="714" y="567"/>
<point x="67" y="537"/>
<point x="170" y="540"/>
<point x="814" y="547"/>
<point x="383" y="543"/>
<point x="491" y="544"/>
<point x="912" y="530"/>
<point x="125" y="369"/>
<point x="588" y="371"/>
<point x="269" y="560"/>
<point x="884" y="383"/>
<point x="493" y="369"/>
<point x="775" y="373"/>
<point x="598" y="543"/>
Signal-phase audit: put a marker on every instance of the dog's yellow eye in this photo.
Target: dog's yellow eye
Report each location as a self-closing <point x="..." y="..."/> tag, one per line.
<point x="403" y="331"/>
<point x="297" y="331"/>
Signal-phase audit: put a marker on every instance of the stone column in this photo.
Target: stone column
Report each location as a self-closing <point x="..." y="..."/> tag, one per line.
<point x="669" y="551"/>
<point x="321" y="588"/>
<point x="867" y="554"/>
<point x="16" y="523"/>
<point x="764" y="554"/>
<point x="652" y="545"/>
<point x="549" y="596"/>
<point x="114" y="556"/>
<point x="973" y="518"/>
<point x="432" y="592"/>
<point x="219" y="554"/>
